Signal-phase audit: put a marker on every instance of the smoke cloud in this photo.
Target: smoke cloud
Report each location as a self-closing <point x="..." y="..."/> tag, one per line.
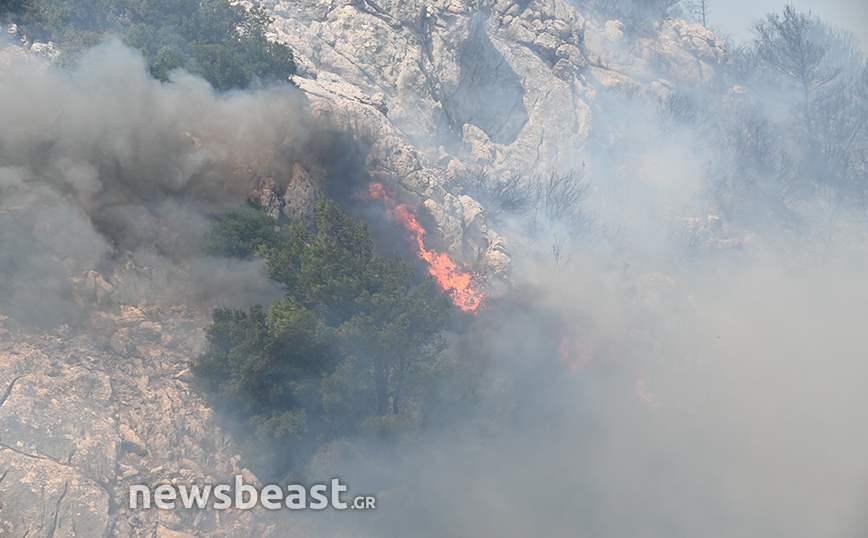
<point x="691" y="363"/>
<point x="103" y="168"/>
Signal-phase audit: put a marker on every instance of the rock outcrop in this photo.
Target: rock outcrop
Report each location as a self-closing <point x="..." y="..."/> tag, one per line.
<point x="82" y="417"/>
<point x="441" y="90"/>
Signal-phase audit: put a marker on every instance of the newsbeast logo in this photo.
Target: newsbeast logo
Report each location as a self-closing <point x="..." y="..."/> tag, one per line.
<point x="245" y="496"/>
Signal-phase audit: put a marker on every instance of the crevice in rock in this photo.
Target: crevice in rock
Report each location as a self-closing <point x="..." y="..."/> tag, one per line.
<point x="489" y="94"/>
<point x="102" y="485"/>
<point x="379" y="13"/>
<point x="35" y="457"/>
<point x="9" y="390"/>
<point x="53" y="528"/>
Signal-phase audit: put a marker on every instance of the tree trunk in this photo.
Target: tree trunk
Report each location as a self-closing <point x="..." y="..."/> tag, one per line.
<point x="806" y="112"/>
<point x="395" y="403"/>
<point x="382" y="389"/>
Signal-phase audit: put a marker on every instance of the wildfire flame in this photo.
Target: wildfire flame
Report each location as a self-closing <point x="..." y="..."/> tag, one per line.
<point x="643" y="393"/>
<point x="576" y="355"/>
<point x="457" y="281"/>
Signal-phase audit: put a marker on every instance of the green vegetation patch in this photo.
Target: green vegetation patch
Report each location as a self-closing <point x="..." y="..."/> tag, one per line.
<point x="224" y="43"/>
<point x="353" y="349"/>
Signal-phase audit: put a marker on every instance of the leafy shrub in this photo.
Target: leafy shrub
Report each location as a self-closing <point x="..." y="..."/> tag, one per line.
<point x="224" y="43"/>
<point x="350" y="350"/>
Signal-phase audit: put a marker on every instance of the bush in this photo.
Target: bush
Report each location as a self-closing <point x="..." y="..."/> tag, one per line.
<point x="224" y="43"/>
<point x="351" y="344"/>
<point x="240" y="233"/>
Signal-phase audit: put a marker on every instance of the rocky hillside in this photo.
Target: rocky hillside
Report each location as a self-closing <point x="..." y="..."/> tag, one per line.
<point x="434" y="93"/>
<point x="83" y="416"/>
<point x="442" y="91"/>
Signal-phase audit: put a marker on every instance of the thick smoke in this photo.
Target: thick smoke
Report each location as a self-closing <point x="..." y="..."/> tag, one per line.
<point x="691" y="363"/>
<point x="106" y="169"/>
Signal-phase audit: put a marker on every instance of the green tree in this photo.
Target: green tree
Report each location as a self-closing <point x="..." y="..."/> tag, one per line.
<point x="240" y="233"/>
<point x="350" y="348"/>
<point x="378" y="321"/>
<point x="267" y="380"/>
<point x="224" y="43"/>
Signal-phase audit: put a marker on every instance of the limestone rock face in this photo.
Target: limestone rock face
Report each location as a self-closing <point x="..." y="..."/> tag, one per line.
<point x="82" y="436"/>
<point x="301" y="194"/>
<point x="81" y="421"/>
<point x="438" y="90"/>
<point x="44" y="498"/>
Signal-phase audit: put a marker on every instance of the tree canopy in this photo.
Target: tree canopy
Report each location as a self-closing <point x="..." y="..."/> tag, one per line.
<point x="224" y="43"/>
<point x="347" y="350"/>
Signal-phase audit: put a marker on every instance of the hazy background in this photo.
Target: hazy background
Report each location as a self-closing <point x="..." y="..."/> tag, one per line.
<point x="734" y="17"/>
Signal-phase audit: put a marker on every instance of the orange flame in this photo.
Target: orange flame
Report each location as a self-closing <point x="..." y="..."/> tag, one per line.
<point x="576" y="355"/>
<point x="647" y="397"/>
<point x="457" y="281"/>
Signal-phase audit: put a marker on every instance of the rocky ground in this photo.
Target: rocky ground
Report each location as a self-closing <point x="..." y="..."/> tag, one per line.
<point x="90" y="410"/>
<point x="443" y="91"/>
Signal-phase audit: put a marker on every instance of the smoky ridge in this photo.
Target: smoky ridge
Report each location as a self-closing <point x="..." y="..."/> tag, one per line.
<point x="668" y="342"/>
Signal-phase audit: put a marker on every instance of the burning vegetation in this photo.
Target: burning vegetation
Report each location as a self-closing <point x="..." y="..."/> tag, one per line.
<point x="462" y="285"/>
